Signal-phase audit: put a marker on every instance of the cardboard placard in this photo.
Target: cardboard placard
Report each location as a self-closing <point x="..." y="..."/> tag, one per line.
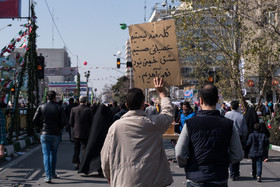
<point x="154" y="53"/>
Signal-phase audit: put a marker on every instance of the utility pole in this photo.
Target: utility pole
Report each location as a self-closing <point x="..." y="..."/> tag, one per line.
<point x="145" y="9"/>
<point x="87" y="74"/>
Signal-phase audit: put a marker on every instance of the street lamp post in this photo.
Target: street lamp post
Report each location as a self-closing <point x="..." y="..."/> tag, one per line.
<point x="87" y="74"/>
<point x="95" y="90"/>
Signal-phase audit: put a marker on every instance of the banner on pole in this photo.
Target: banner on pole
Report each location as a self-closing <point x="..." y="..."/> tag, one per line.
<point x="10" y="8"/>
<point x="154" y="53"/>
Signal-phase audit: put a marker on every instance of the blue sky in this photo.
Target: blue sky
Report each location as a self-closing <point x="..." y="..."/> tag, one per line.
<point x="89" y="28"/>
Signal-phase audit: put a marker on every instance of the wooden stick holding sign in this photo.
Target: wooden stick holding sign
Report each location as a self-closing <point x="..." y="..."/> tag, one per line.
<point x="154" y="53"/>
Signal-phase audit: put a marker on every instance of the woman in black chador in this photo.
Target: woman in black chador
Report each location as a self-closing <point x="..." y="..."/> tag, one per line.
<point x="102" y="120"/>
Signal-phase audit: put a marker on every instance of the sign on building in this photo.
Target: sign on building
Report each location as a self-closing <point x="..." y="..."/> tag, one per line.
<point x="63" y="71"/>
<point x="66" y="85"/>
<point x="154" y="53"/>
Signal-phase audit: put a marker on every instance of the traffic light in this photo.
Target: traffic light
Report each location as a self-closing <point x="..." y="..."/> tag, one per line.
<point x="210" y="76"/>
<point x="13" y="90"/>
<point x="118" y="63"/>
<point x="40" y="67"/>
<point x="129" y="64"/>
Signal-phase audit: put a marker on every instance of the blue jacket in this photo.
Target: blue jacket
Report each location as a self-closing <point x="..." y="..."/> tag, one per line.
<point x="258" y="143"/>
<point x="184" y="118"/>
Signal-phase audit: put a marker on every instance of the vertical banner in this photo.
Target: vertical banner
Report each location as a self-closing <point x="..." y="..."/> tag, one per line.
<point x="10" y="8"/>
<point x="154" y="53"/>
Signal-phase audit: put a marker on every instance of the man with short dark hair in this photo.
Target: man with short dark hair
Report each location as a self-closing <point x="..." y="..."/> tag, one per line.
<point x="240" y="125"/>
<point x="80" y="120"/>
<point x="133" y="153"/>
<point x="186" y="114"/>
<point x="51" y="118"/>
<point x="266" y="109"/>
<point x="208" y="143"/>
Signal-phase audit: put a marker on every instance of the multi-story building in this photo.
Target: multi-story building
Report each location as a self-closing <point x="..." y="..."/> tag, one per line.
<point x="128" y="58"/>
<point x="55" y="58"/>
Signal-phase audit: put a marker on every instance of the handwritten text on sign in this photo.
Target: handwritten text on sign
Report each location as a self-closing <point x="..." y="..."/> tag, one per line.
<point x="154" y="53"/>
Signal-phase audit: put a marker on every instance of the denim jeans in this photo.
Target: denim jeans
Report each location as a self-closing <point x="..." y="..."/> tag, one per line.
<point x="257" y="166"/>
<point x="192" y="184"/>
<point x="49" y="148"/>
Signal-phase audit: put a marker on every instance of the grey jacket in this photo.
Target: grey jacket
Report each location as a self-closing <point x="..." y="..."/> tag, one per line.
<point x="151" y="110"/>
<point x="133" y="152"/>
<point x="239" y="123"/>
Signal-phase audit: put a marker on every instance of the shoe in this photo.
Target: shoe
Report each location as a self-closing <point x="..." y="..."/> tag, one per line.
<point x="259" y="179"/>
<point x="233" y="178"/>
<point x="55" y="176"/>
<point x="47" y="180"/>
<point x="100" y="174"/>
<point x="254" y="177"/>
<point x="265" y="160"/>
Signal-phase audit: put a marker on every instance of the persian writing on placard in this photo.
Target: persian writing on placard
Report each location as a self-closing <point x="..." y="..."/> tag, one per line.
<point x="154" y="53"/>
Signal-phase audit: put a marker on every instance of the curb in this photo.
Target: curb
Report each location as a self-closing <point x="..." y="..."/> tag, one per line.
<point x="20" y="144"/>
<point x="274" y="147"/>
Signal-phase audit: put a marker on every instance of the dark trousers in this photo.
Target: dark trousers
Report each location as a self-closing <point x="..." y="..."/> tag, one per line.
<point x="234" y="169"/>
<point x="78" y="143"/>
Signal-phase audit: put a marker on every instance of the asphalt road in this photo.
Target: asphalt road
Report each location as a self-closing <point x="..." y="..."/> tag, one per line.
<point x="27" y="170"/>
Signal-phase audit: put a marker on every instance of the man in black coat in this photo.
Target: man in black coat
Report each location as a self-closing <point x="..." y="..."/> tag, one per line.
<point x="80" y="120"/>
<point x="50" y="117"/>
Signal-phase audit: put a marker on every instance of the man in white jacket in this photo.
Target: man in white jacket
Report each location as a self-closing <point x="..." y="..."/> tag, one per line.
<point x="133" y="152"/>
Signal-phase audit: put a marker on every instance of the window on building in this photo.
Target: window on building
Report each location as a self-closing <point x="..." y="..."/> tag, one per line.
<point x="269" y="16"/>
<point x="186" y="71"/>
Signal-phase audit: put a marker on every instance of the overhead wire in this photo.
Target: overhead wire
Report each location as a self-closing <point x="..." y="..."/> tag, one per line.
<point x="67" y="48"/>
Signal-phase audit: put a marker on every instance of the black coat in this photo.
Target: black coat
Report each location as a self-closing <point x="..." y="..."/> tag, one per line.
<point x="257" y="143"/>
<point x="50" y="117"/>
<point x="102" y="120"/>
<point x="81" y="120"/>
<point x="115" y="109"/>
<point x="251" y="118"/>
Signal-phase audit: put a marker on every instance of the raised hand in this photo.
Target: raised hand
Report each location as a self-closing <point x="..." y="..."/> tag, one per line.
<point x="159" y="86"/>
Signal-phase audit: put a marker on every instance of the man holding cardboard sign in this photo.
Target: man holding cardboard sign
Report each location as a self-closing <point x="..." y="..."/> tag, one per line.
<point x="133" y="153"/>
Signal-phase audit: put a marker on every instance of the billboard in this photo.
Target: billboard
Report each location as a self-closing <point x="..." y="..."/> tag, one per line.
<point x="10" y="8"/>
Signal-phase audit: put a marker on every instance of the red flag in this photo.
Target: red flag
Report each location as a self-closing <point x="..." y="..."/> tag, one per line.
<point x="10" y="8"/>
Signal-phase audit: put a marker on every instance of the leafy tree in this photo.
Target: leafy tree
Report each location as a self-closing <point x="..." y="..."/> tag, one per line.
<point x="240" y="39"/>
<point x="209" y="41"/>
<point x="120" y="89"/>
<point x="107" y="93"/>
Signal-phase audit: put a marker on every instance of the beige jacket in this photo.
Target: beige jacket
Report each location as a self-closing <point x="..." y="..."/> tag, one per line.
<point x="133" y="153"/>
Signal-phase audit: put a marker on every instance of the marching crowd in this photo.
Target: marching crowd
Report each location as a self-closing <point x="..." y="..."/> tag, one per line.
<point x="124" y="143"/>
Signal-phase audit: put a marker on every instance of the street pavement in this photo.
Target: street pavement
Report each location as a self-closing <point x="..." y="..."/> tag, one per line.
<point x="27" y="170"/>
